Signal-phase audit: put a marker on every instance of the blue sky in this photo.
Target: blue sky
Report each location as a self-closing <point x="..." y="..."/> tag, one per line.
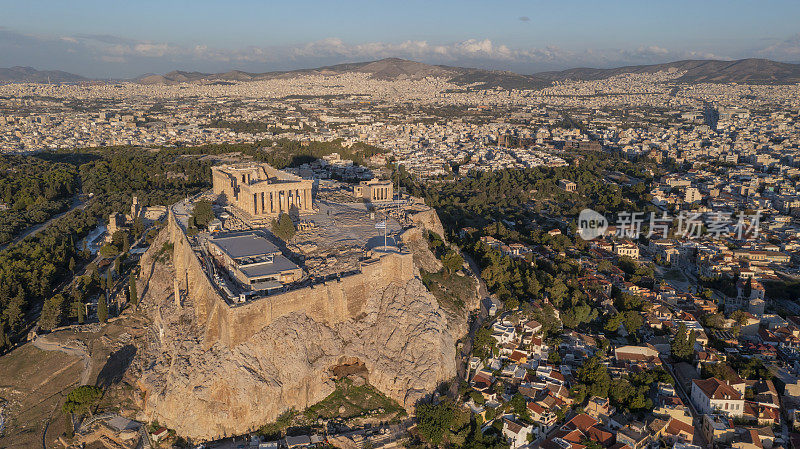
<point x="128" y="38"/>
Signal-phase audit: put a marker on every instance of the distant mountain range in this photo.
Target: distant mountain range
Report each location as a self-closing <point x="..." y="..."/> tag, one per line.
<point x="753" y="71"/>
<point x="750" y="71"/>
<point x="31" y="75"/>
<point x="746" y="71"/>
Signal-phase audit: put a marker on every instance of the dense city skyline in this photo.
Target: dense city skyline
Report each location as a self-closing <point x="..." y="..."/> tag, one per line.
<point x="455" y="225"/>
<point x="124" y="41"/>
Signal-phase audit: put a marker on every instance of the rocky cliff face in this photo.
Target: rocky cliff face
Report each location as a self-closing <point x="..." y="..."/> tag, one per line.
<point x="404" y="339"/>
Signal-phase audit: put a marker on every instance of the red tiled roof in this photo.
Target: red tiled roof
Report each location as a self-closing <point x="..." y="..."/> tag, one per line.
<point x="582" y="422"/>
<point x="517" y="356"/>
<point x="673" y="400"/>
<point x="714" y="388"/>
<point x="601" y="436"/>
<point x="676" y="427"/>
<point x="536" y="408"/>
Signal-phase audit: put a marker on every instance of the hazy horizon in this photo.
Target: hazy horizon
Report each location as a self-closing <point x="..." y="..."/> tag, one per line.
<point x="100" y="40"/>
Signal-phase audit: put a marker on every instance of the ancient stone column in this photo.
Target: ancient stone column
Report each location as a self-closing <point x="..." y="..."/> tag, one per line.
<point x="271" y="203"/>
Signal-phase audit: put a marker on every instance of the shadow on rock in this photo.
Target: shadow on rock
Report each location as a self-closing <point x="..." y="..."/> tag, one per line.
<point x="115" y="367"/>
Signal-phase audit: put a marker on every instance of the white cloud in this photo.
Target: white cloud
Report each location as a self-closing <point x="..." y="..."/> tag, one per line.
<point x="468" y="49"/>
<point x="115" y="54"/>
<point x="786" y="50"/>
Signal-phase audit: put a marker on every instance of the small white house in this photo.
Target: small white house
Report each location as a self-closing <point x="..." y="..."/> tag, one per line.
<point x="516" y="433"/>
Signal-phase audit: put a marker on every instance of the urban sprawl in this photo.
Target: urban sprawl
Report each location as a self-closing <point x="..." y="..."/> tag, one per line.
<point x="678" y="338"/>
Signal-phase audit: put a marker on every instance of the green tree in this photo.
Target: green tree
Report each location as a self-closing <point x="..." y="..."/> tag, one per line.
<point x="627" y="264"/>
<point x="605" y="266"/>
<point x="626" y="301"/>
<point x="519" y="405"/>
<point x="511" y="304"/>
<point x="80" y="311"/>
<point x="452" y="262"/>
<point x="632" y="320"/>
<point x="14" y="310"/>
<point x="716" y="321"/>
<point x="620" y="391"/>
<point x="283" y="227"/>
<point x="81" y="400"/>
<point x="740" y="317"/>
<point x="133" y="295"/>
<point x="203" y="213"/>
<point x="434" y="420"/>
<point x="138" y="227"/>
<point x="118" y="239"/>
<point x="52" y="312"/>
<point x="577" y="315"/>
<point x="595" y="374"/>
<point x="483" y="343"/>
<point x="557" y="292"/>
<point x="682" y="346"/>
<point x="613" y="323"/>
<point x="102" y="309"/>
<point x="591" y="444"/>
<point x="578" y="393"/>
<point x="4" y="340"/>
<point x="109" y="250"/>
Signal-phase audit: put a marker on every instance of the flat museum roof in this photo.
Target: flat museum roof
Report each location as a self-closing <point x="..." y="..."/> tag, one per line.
<point x="278" y="265"/>
<point x="246" y="244"/>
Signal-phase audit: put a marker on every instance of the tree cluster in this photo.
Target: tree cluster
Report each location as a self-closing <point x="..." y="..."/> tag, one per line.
<point x="682" y="346"/>
<point x="283" y="227"/>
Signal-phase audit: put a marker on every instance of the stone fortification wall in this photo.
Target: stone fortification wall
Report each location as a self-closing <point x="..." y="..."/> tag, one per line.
<point x="329" y="303"/>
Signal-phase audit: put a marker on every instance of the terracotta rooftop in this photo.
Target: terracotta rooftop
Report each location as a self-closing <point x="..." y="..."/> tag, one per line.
<point x="714" y="388"/>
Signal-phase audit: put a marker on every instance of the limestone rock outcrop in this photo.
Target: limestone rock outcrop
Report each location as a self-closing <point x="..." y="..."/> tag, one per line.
<point x="426" y="218"/>
<point x="404" y="339"/>
<point x="423" y="258"/>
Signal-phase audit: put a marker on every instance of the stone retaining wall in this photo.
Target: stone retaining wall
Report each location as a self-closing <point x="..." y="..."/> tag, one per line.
<point x="331" y="302"/>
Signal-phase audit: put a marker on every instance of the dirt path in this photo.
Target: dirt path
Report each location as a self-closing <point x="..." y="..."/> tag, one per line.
<point x="74" y="348"/>
<point x="71" y="348"/>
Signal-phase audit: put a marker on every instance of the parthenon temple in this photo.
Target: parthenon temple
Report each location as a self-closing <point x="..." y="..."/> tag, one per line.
<point x="262" y="190"/>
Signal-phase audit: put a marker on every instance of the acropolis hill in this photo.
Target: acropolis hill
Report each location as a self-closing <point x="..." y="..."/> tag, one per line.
<point x="211" y="367"/>
<point x="328" y="303"/>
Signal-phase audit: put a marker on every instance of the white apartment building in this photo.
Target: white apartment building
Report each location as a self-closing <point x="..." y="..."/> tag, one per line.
<point x="715" y="396"/>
